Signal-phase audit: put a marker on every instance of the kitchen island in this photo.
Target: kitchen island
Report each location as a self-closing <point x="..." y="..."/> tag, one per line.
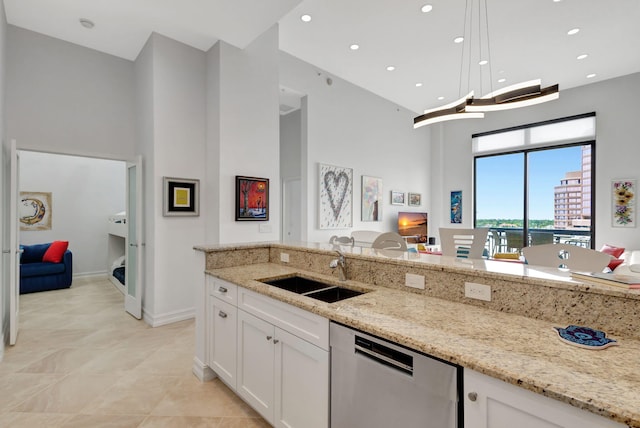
<point x="510" y="338"/>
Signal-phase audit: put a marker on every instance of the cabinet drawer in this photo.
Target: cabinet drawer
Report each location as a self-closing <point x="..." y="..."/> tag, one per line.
<point x="223" y="290"/>
<point x="303" y="324"/>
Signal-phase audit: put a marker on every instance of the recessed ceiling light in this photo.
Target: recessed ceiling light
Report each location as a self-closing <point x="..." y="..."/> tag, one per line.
<point x="440" y="98"/>
<point x="354" y="47"/>
<point x="502" y="80"/>
<point x="426" y="8"/>
<point x="583" y="56"/>
<point x="573" y="31"/>
<point x="458" y="40"/>
<point x="418" y="84"/>
<point x="483" y="62"/>
<point x="590" y="76"/>
<point x="87" y="23"/>
<point x="557" y="1"/>
<point x="306" y="18"/>
<point x="390" y="68"/>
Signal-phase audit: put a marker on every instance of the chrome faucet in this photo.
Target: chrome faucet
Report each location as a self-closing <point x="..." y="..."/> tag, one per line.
<point x="340" y="262"/>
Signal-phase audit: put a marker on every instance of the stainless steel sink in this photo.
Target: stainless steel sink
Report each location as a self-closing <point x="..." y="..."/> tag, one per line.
<point x="308" y="287"/>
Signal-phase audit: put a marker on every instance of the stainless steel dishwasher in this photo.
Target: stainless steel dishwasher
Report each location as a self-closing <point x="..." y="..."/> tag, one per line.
<point x="376" y="383"/>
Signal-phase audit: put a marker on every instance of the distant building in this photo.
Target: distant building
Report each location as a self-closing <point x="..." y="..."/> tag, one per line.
<point x="572" y="198"/>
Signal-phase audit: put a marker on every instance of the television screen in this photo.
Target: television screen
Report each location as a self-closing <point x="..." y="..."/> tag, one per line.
<point x="413" y="224"/>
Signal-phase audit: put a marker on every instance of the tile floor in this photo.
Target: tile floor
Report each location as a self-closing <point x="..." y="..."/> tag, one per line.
<point x="81" y="361"/>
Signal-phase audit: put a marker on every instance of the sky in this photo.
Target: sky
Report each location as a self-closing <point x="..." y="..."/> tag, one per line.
<point x="500" y="182"/>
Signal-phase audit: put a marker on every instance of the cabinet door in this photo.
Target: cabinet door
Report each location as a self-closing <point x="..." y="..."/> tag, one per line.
<point x="255" y="363"/>
<point x="301" y="383"/>
<point x="491" y="403"/>
<point x="223" y="340"/>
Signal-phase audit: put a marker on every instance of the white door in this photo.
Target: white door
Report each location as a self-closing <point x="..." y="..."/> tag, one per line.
<point x="134" y="243"/>
<point x="13" y="279"/>
<point x="301" y="383"/>
<point x="292" y="210"/>
<point x="255" y="363"/>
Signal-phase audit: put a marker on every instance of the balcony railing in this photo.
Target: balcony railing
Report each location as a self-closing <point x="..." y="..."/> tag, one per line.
<point x="511" y="240"/>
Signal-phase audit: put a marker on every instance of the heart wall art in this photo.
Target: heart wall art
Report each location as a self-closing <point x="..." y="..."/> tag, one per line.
<point x="336" y="197"/>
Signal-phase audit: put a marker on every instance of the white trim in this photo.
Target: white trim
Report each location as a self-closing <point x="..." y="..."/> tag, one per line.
<point x="168" y="318"/>
<point x="202" y="371"/>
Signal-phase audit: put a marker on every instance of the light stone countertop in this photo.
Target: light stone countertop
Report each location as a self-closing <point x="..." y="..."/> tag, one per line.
<point x="513" y="348"/>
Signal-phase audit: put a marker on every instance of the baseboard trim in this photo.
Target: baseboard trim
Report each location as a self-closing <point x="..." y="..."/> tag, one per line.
<point x="168" y="318"/>
<point x="202" y="371"/>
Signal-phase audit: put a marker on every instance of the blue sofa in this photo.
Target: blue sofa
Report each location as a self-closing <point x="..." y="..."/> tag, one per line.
<point x="36" y="275"/>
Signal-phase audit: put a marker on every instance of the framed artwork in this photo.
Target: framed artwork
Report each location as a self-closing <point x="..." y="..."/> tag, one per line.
<point x="415" y="199"/>
<point x="397" y="198"/>
<point x="336" y="197"/>
<point x="252" y="198"/>
<point x="456" y="206"/>
<point x="34" y="211"/>
<point x="181" y="197"/>
<point x="371" y="198"/>
<point x="623" y="199"/>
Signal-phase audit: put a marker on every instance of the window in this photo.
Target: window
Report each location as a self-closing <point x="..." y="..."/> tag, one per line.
<point x="532" y="193"/>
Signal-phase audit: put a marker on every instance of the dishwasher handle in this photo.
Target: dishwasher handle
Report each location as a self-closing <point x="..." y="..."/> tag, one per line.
<point x="384" y="355"/>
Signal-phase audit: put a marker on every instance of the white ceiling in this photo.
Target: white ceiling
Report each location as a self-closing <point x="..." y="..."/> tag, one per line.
<point x="528" y="38"/>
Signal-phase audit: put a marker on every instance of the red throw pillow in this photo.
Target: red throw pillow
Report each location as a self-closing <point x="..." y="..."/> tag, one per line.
<point x="611" y="250"/>
<point x="55" y="252"/>
<point x="614" y="263"/>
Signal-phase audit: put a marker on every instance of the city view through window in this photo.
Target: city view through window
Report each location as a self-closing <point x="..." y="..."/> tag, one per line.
<point x="558" y="183"/>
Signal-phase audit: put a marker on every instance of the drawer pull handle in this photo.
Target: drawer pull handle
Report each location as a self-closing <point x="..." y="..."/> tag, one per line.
<point x="275" y="341"/>
<point x="222" y="314"/>
<point x="269" y="337"/>
<point x="473" y="396"/>
<point x="222" y="289"/>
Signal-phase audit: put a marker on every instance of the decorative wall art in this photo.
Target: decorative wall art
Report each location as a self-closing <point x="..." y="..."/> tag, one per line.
<point x="624" y="203"/>
<point x="456" y="206"/>
<point x="415" y="199"/>
<point x="371" y="198"/>
<point x="397" y="197"/>
<point x="34" y="211"/>
<point x="181" y="197"/>
<point x="336" y="197"/>
<point x="252" y="199"/>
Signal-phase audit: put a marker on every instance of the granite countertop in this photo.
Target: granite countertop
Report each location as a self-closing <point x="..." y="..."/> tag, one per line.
<point x="513" y="348"/>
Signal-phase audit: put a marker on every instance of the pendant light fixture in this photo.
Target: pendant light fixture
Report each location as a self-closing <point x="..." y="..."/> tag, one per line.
<point x="468" y="107"/>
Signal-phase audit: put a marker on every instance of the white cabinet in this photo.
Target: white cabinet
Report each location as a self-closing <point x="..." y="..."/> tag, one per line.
<point x="273" y="355"/>
<point x="222" y="314"/>
<point x="301" y="383"/>
<point x="491" y="403"/>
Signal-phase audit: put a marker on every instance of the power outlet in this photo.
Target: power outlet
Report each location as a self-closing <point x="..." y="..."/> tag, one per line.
<point x="414" y="281"/>
<point x="477" y="291"/>
<point x="284" y="257"/>
<point x="265" y="228"/>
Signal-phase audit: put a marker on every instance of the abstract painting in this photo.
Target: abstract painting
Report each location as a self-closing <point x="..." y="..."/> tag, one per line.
<point x="397" y="197"/>
<point x="252" y="199"/>
<point x="371" y="198"/>
<point x="336" y="193"/>
<point x="180" y="197"/>
<point x="34" y="211"/>
<point x="456" y="206"/>
<point x="624" y="203"/>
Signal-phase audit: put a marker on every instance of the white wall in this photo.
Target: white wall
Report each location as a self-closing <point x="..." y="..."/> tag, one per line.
<point x="350" y="127"/>
<point x="179" y="103"/>
<point x="617" y="148"/>
<point x="68" y="99"/>
<point x="248" y="132"/>
<point x="84" y="193"/>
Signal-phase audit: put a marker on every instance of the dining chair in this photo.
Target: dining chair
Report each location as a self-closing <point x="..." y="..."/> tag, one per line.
<point x="567" y="257"/>
<point x="389" y="241"/>
<point x="342" y="240"/>
<point x="463" y="243"/>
